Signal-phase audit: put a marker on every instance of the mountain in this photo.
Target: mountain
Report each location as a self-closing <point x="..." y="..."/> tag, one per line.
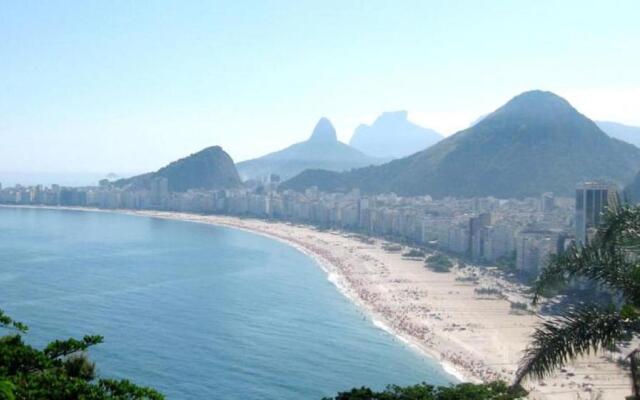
<point x="632" y="191"/>
<point x="393" y="136"/>
<point x="211" y="168"/>
<point x="629" y="134"/>
<point x="478" y="119"/>
<point x="535" y="143"/>
<point x="322" y="150"/>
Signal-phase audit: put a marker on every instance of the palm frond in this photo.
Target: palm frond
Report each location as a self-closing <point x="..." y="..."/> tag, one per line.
<point x="6" y="390"/>
<point x="611" y="268"/>
<point x="621" y="228"/>
<point x="575" y="334"/>
<point x="610" y="259"/>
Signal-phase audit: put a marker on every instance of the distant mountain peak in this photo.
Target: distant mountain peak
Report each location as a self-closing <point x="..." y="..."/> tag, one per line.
<point x="536" y="103"/>
<point x="627" y="133"/>
<point x="209" y="168"/>
<point x="324" y="132"/>
<point x="210" y="149"/>
<point x="321" y="151"/>
<point x="392" y="135"/>
<point x="537" y="96"/>
<point x="535" y="143"/>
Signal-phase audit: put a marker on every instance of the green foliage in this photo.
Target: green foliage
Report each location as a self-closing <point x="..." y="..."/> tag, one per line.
<point x="610" y="260"/>
<point x="60" y="348"/>
<point x="211" y="168"/>
<point x="439" y="263"/>
<point x="79" y="366"/>
<point x="632" y="191"/>
<point x="7" y="322"/>
<point x="6" y="390"/>
<point x="464" y="391"/>
<point x="414" y="253"/>
<point x="576" y="333"/>
<point x="507" y="263"/>
<point x="61" y="371"/>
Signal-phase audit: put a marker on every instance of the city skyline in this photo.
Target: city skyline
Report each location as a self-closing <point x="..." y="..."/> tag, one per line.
<point x="484" y="229"/>
<point x="88" y="87"/>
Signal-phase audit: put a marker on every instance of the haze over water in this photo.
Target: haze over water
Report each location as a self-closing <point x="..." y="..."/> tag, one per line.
<point x="194" y="310"/>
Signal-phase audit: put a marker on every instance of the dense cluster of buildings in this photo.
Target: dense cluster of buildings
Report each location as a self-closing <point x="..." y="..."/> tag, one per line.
<point x="520" y="233"/>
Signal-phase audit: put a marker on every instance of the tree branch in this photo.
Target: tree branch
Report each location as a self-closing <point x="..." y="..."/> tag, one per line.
<point x="61" y="348"/>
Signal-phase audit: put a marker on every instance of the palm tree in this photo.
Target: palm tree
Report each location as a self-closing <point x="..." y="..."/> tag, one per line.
<point x="6" y="390"/>
<point x="612" y="261"/>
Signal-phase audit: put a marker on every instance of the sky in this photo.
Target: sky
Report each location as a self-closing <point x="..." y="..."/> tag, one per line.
<point x="128" y="86"/>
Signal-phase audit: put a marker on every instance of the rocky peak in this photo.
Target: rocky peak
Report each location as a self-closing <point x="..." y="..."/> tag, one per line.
<point x="323" y="132"/>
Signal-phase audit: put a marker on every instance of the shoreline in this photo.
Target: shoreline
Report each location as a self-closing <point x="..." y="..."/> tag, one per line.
<point x="332" y="275"/>
<point x="473" y="338"/>
<point x="331" y="271"/>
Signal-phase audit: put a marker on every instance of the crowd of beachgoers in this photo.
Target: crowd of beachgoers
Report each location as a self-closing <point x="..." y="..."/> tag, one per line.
<point x="407" y="314"/>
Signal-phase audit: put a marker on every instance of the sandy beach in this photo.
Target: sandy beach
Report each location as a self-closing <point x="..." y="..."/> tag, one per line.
<point x="475" y="337"/>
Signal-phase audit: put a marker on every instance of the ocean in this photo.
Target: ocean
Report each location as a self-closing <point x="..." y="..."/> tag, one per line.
<point x="195" y="311"/>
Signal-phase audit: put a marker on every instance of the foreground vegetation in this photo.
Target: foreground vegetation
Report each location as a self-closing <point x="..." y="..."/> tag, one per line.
<point x="60" y="371"/>
<point x="611" y="262"/>
<point x="464" y="391"/>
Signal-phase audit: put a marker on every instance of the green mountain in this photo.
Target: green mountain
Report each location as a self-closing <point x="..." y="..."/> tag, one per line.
<point x="392" y="135"/>
<point x="322" y="150"/>
<point x="211" y="168"/>
<point x="632" y="191"/>
<point x="626" y="133"/>
<point x="535" y="143"/>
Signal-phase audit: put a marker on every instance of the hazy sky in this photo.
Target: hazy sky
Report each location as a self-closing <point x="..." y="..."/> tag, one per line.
<point x="128" y="86"/>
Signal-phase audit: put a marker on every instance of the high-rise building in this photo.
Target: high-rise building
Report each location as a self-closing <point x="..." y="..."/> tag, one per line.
<point x="498" y="242"/>
<point x="547" y="202"/>
<point x="533" y="249"/>
<point x="476" y="234"/>
<point x="592" y="198"/>
<point x="159" y="191"/>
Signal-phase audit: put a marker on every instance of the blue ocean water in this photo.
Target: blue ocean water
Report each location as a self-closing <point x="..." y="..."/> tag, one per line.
<point x="194" y="310"/>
